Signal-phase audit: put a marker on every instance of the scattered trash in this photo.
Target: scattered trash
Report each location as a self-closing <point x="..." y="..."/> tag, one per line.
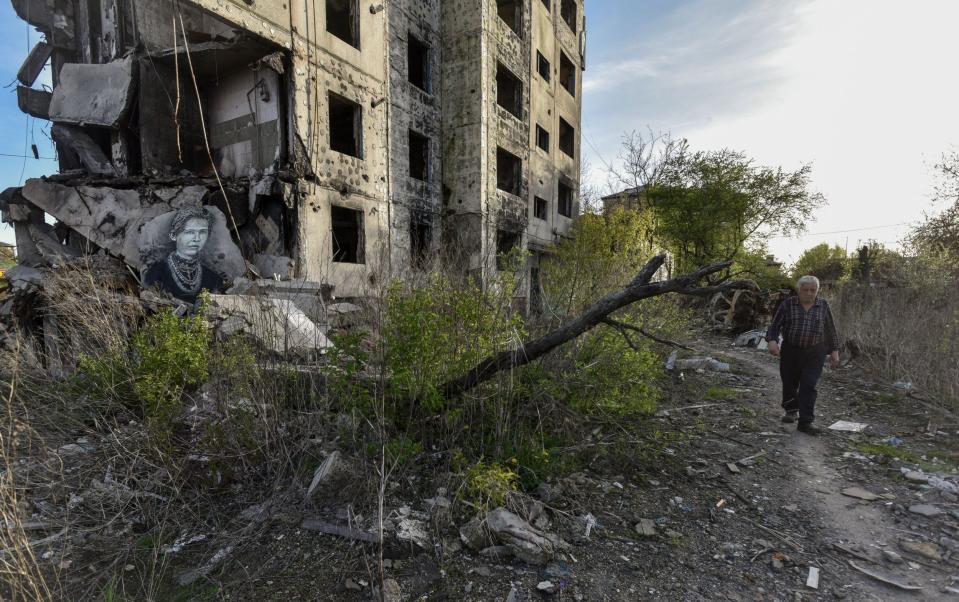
<point x="590" y="521"/>
<point x="323" y="472"/>
<point x="546" y="587"/>
<point x="892" y="557"/>
<point x="671" y="361"/>
<point x="702" y="363"/>
<point x="778" y="561"/>
<point x="750" y="339"/>
<point x="812" y="581"/>
<point x="915" y="476"/>
<point x="894" y="441"/>
<point x="848" y="427"/>
<point x="884" y="578"/>
<point x="926" y="510"/>
<point x="646" y="527"/>
<point x="903" y="385"/>
<point x="859" y="493"/>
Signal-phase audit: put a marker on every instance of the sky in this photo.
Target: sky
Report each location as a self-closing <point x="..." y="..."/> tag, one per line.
<point x="863" y="90"/>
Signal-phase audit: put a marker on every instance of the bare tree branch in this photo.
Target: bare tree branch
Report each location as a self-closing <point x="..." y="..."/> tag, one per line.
<point x="640" y="288"/>
<point x="623" y="326"/>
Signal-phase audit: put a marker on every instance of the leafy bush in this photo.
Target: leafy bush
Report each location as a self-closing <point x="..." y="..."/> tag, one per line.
<point x="608" y="376"/>
<point x="438" y="331"/>
<point x="489" y="485"/>
<point x="167" y="355"/>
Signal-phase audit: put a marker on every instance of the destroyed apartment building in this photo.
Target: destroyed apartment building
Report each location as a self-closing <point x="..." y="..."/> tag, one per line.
<point x="335" y="141"/>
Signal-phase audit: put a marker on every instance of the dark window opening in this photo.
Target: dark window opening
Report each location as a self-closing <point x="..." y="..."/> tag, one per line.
<point x="567" y="138"/>
<point x="347" y="225"/>
<point x="542" y="138"/>
<point x="419" y="156"/>
<point x="542" y="65"/>
<point x="509" y="91"/>
<point x="346" y="126"/>
<point x="539" y="208"/>
<point x="564" y="206"/>
<point x="546" y="4"/>
<point x="567" y="74"/>
<point x="418" y="63"/>
<point x="535" y="292"/>
<point x="342" y="20"/>
<point x="568" y="12"/>
<point x="420" y="236"/>
<point x="506" y="241"/>
<point x="511" y="11"/>
<point x="508" y="171"/>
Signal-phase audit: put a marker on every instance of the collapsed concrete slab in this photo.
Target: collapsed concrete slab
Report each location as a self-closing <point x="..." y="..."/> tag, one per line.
<point x="277" y="324"/>
<point x="93" y="94"/>
<point x="131" y="226"/>
<point x="35" y="103"/>
<point x="92" y="157"/>
<point x="34" y="63"/>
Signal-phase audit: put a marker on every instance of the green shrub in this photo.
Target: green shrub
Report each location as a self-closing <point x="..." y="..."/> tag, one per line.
<point x="489" y="485"/>
<point x="608" y="376"/>
<point x="436" y="332"/>
<point x="167" y="355"/>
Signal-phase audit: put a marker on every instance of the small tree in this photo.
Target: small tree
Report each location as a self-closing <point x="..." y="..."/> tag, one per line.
<point x="825" y="262"/>
<point x="710" y="204"/>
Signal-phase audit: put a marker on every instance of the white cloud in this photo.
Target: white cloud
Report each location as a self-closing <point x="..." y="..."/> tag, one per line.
<point x="862" y="89"/>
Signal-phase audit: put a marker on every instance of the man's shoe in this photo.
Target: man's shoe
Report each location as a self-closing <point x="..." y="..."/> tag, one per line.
<point x="790" y="417"/>
<point x="808" y="428"/>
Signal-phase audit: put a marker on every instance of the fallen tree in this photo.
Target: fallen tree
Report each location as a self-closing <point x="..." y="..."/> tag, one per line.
<point x="640" y="288"/>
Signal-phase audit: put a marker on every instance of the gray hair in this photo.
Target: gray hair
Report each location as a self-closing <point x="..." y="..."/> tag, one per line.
<point x="808" y="280"/>
<point x="185" y="214"/>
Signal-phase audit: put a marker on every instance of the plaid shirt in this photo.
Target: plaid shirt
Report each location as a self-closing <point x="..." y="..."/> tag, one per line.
<point x="801" y="328"/>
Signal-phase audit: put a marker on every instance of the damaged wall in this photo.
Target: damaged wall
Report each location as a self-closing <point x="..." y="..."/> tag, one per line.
<point x="355" y="144"/>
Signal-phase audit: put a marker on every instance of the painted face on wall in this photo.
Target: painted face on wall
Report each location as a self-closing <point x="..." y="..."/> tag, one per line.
<point x="190" y="241"/>
<point x="807" y="293"/>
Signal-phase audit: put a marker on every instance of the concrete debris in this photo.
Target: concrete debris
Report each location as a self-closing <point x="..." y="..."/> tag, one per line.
<point x="925" y="549"/>
<point x="474" y="535"/>
<point x="35" y="103"/>
<point x="892" y="557"/>
<point x="413" y="529"/>
<point x="22" y="277"/>
<point x="914" y="476"/>
<point x="859" y="493"/>
<point x="750" y="339"/>
<point x="132" y="226"/>
<point x="323" y="472"/>
<point x="812" y="580"/>
<point x="92" y="157"/>
<point x="848" y="427"/>
<point x="278" y="267"/>
<point x="731" y="466"/>
<point x="926" y="510"/>
<point x="885" y="578"/>
<point x="322" y="526"/>
<point x="93" y="94"/>
<point x="547" y="587"/>
<point x="646" y="527"/>
<point x="34" y="63"/>
<point x="525" y="541"/>
<point x="702" y="363"/>
<point x="392" y="592"/>
<point x="277" y="324"/>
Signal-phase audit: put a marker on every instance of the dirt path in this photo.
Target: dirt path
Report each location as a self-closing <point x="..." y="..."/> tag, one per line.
<point x="815" y="484"/>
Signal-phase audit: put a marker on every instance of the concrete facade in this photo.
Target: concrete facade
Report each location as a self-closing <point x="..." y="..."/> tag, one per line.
<point x="361" y="139"/>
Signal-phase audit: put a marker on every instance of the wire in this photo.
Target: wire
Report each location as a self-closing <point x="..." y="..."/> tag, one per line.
<point x="28" y="157"/>
<point x="840" y="231"/>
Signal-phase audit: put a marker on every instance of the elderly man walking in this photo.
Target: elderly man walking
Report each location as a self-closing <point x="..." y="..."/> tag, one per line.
<point x="809" y="335"/>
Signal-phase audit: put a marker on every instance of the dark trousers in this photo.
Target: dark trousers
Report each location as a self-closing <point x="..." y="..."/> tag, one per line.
<point x="800" y="370"/>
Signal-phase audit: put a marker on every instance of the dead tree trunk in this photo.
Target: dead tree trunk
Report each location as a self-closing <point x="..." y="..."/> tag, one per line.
<point x="640" y="288"/>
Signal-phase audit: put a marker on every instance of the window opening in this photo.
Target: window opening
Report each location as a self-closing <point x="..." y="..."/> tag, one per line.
<point x="508" y="171"/>
<point x="347" y="226"/>
<point x="346" y="126"/>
